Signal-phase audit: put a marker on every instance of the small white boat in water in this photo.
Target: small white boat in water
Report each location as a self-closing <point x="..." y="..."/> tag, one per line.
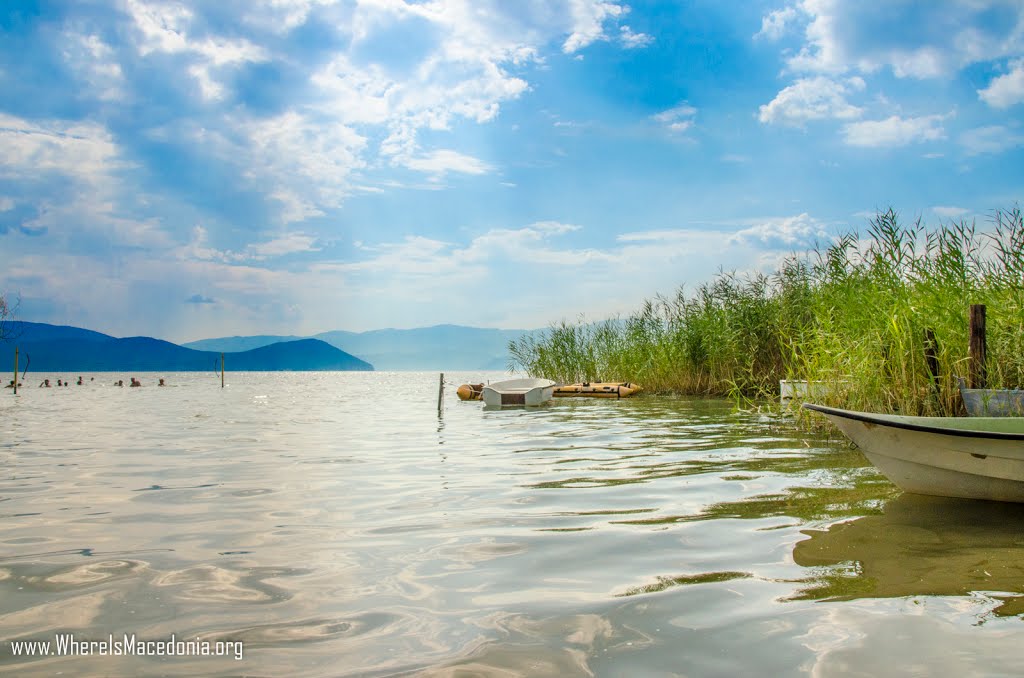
<point x="528" y="392"/>
<point x="971" y="457"/>
<point x="991" y="402"/>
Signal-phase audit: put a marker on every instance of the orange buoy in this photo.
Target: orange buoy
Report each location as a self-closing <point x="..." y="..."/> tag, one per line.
<point x="470" y="392"/>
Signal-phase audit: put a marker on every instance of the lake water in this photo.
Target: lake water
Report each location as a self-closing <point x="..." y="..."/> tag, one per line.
<point x="337" y="526"/>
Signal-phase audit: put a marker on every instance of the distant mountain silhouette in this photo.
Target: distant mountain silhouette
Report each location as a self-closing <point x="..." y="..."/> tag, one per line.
<point x="53" y="348"/>
<point x="441" y="347"/>
<point x="236" y="344"/>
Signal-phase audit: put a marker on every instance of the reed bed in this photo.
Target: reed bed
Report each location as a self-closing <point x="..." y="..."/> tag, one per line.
<point x="855" y="315"/>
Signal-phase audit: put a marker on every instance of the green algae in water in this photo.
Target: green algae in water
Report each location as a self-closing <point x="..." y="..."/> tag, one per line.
<point x="684" y="580"/>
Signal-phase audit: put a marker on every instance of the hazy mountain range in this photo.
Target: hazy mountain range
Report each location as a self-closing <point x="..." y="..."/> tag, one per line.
<point x="442" y="347"/>
<point x="56" y="348"/>
<point x="52" y="348"/>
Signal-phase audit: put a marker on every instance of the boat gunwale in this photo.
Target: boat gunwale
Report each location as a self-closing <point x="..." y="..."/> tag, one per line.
<point x="879" y="420"/>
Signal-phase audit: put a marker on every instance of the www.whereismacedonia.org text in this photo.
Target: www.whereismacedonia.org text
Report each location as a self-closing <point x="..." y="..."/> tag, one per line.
<point x="66" y="645"/>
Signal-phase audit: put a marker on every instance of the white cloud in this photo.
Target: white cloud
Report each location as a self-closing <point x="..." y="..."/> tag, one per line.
<point x="292" y="243"/>
<point x="677" y="119"/>
<point x="1005" y="90"/>
<point x="361" y="108"/>
<point x="83" y="150"/>
<point x="6" y="204"/>
<point x="773" y="24"/>
<point x="782" y="232"/>
<point x="198" y="249"/>
<point x="440" y="162"/>
<point x="310" y="161"/>
<point x="894" y="131"/>
<point x="918" y="40"/>
<point x="991" y="139"/>
<point x="163" y="28"/>
<point x="94" y="62"/>
<point x="283" y="16"/>
<point x="816" y="98"/>
<point x="462" y="77"/>
<point x="949" y="212"/>
<point x="631" y="40"/>
<point x="588" y="18"/>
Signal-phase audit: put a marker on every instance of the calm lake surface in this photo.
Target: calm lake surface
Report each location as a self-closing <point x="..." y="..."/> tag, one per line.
<point x="338" y="527"/>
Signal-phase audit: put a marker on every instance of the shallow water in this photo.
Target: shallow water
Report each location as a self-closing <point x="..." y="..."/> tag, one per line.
<point x="338" y="526"/>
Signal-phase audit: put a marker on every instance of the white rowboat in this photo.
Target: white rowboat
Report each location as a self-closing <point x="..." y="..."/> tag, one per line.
<point x="528" y="392"/>
<point x="971" y="457"/>
<point x="991" y="402"/>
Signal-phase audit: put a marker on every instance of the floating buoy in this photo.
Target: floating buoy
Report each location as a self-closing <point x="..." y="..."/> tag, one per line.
<point x="470" y="392"/>
<point x="598" y="390"/>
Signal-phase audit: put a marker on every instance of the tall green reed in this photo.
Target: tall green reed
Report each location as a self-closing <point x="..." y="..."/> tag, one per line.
<point x="855" y="315"/>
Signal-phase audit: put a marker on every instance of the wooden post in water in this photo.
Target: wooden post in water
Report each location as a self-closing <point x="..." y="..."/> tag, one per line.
<point x="15" y="370"/>
<point x="979" y="373"/>
<point x="931" y="357"/>
<point x="440" y="394"/>
<point x="222" y="370"/>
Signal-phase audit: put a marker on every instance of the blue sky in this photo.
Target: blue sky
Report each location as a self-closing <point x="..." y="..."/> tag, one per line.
<point x="194" y="169"/>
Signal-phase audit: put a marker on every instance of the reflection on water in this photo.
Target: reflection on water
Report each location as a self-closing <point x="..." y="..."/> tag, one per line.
<point x="338" y="526"/>
<point x="921" y="546"/>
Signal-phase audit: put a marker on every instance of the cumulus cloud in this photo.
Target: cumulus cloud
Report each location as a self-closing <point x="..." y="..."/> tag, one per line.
<point x="843" y="42"/>
<point x="95" y="63"/>
<point x="165" y="28"/>
<point x="782" y="232"/>
<point x="198" y="248"/>
<point x="292" y="243"/>
<point x="1005" y="90"/>
<point x="82" y="150"/>
<point x="441" y="161"/>
<point x="842" y="36"/>
<point x="816" y="98"/>
<point x="991" y="139"/>
<point x="361" y="106"/>
<point x="86" y="161"/>
<point x="677" y="119"/>
<point x="588" y="19"/>
<point x="631" y="40"/>
<point x="309" y="160"/>
<point x="894" y="131"/>
<point x="949" y="212"/>
<point x="774" y="24"/>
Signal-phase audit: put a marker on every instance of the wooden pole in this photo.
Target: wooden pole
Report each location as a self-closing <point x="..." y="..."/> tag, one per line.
<point x="440" y="393"/>
<point x="222" y="370"/>
<point x="979" y="372"/>
<point x="15" y="370"/>
<point x="931" y="357"/>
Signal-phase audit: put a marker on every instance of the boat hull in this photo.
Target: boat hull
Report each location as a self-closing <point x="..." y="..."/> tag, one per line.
<point x="597" y="390"/>
<point x="919" y="455"/>
<point x="518" y="392"/>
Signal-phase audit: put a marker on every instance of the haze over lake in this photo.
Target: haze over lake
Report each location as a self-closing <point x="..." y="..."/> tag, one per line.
<point x="338" y="526"/>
